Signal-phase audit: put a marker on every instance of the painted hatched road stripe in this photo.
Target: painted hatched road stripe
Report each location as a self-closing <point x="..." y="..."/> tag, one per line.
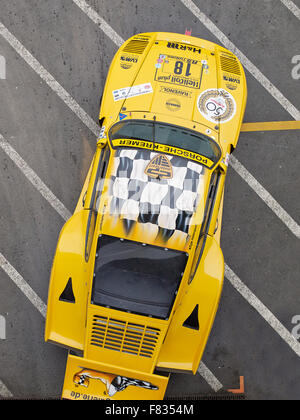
<point x="262" y="310"/>
<point x="271" y="126"/>
<point x="4" y="391"/>
<point x="49" y="79"/>
<point x="22" y="285"/>
<point x="292" y="7"/>
<point x="209" y="377"/>
<point x="260" y="77"/>
<point x="98" y="20"/>
<point x="34" y="179"/>
<point x="265" y="196"/>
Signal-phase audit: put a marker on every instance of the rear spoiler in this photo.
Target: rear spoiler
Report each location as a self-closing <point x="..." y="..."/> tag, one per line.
<point x="89" y="380"/>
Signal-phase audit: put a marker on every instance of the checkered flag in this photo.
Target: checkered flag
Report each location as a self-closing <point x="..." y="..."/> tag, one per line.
<point x="167" y="203"/>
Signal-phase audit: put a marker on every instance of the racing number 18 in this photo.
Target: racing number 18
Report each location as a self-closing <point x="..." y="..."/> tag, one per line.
<point x="179" y="68"/>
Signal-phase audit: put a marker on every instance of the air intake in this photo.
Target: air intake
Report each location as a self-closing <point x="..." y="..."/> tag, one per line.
<point x="230" y="65"/>
<point x="136" y="46"/>
<point x="125" y="337"/>
<point x="68" y="294"/>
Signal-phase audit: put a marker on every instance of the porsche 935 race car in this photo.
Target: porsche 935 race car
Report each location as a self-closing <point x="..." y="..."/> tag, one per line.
<point x="138" y="271"/>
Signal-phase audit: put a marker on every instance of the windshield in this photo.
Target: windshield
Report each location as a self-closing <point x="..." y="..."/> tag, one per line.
<point x="169" y="135"/>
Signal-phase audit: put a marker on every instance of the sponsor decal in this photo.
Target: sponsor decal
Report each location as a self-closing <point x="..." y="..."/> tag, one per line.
<point x="163" y="149"/>
<point x="177" y="92"/>
<point x="232" y="80"/>
<point x="205" y="64"/>
<point x="180" y="71"/>
<point x="113" y="383"/>
<point x="127" y="61"/>
<point x="130" y="92"/>
<point x="173" y="105"/>
<point x="180" y="81"/>
<point x="122" y="117"/>
<point x="227" y="159"/>
<point x="216" y="105"/>
<point x="102" y="134"/>
<point x="231" y="87"/>
<point x="160" y="167"/>
<point x="183" y="47"/>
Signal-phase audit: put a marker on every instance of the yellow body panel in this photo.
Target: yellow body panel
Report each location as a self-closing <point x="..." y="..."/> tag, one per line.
<point x="183" y="347"/>
<point x="170" y="79"/>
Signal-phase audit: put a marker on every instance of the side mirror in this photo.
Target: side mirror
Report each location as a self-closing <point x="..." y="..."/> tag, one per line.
<point x="102" y="143"/>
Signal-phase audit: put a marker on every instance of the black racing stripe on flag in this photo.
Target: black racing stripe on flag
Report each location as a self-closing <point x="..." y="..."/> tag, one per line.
<point x="165" y="234"/>
<point x="171" y="198"/>
<point x="125" y="167"/>
<point x="178" y="162"/>
<point x="116" y="205"/>
<point x="142" y="155"/>
<point x="183" y="221"/>
<point x="149" y="213"/>
<point x="128" y="225"/>
<point x="191" y="181"/>
<point x="135" y="189"/>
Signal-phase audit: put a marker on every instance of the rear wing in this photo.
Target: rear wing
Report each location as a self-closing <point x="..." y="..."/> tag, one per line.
<point x="89" y="380"/>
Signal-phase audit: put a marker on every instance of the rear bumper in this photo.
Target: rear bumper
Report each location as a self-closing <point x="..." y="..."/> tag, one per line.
<point x="88" y="380"/>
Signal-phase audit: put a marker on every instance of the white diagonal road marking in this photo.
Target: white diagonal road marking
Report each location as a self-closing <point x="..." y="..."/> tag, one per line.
<point x="22" y="285"/>
<point x="292" y="7"/>
<point x="31" y="296"/>
<point x="210" y="378"/>
<point x="4" y="391"/>
<point x="260" y="77"/>
<point x="265" y="196"/>
<point x="262" y="310"/>
<point x="49" y="79"/>
<point x="98" y="20"/>
<point x="34" y="179"/>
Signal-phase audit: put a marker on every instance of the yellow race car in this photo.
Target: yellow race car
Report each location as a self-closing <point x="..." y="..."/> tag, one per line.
<point x="138" y="270"/>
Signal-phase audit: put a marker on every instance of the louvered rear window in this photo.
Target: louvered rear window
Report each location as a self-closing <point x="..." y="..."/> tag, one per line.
<point x="136" y="46"/>
<point x="230" y="64"/>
